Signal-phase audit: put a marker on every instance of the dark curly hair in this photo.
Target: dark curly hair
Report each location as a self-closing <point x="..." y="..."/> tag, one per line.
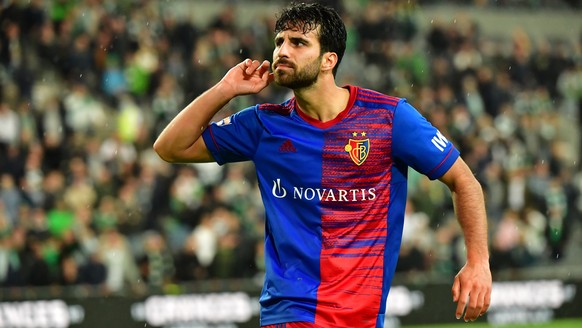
<point x="307" y="17"/>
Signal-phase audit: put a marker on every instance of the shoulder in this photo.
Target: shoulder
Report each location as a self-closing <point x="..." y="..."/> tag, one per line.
<point x="259" y="111"/>
<point x="374" y="97"/>
<point x="284" y="108"/>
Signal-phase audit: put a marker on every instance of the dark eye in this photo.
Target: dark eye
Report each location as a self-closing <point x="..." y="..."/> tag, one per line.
<point x="299" y="42"/>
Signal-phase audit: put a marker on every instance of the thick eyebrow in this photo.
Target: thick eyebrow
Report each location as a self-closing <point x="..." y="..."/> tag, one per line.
<point x="299" y="39"/>
<point x="293" y="39"/>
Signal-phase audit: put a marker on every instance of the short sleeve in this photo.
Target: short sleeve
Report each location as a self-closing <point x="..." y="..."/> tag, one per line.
<point x="418" y="144"/>
<point x="235" y="138"/>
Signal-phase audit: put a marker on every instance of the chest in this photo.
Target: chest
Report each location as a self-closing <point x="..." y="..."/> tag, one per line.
<point x="352" y="152"/>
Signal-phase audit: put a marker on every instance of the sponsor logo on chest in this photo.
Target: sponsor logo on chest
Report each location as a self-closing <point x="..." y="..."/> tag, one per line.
<point x="322" y="194"/>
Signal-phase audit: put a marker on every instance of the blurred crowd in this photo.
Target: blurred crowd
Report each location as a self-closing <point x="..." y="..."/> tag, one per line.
<point x="87" y="85"/>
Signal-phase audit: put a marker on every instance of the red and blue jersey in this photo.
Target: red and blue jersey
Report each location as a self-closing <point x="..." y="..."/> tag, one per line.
<point x="334" y="195"/>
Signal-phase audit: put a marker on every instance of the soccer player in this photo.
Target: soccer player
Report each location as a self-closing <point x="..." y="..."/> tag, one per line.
<point x="332" y="166"/>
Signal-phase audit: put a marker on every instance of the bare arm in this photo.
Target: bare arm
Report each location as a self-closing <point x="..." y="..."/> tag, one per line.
<point x="472" y="285"/>
<point x="180" y="140"/>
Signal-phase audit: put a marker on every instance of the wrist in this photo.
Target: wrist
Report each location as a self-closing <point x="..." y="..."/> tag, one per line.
<point x="478" y="259"/>
<point x="225" y="90"/>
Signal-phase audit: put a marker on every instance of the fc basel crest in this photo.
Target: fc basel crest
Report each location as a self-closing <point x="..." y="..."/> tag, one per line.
<point x="358" y="148"/>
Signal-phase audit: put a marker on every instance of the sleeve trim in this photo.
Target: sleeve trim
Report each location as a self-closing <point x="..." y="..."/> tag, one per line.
<point x="438" y="167"/>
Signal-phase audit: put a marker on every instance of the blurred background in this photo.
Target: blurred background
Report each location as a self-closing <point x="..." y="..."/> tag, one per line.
<point x="92" y="222"/>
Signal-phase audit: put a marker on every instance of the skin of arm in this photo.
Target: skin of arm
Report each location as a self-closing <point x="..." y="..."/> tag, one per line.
<point x="180" y="141"/>
<point x="472" y="285"/>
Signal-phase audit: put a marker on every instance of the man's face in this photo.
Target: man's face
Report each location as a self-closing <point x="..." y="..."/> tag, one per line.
<point x="296" y="59"/>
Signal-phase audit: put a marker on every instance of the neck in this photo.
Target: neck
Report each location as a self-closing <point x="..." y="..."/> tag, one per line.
<point x="322" y="101"/>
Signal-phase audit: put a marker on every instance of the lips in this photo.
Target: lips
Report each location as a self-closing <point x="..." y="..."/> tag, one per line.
<point x="283" y="64"/>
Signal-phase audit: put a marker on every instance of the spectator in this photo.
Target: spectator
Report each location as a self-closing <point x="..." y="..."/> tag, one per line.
<point x="188" y="267"/>
<point x="11" y="198"/>
<point x="156" y="263"/>
<point x="9" y="126"/>
<point x="119" y="260"/>
<point x="205" y="240"/>
<point x="417" y="241"/>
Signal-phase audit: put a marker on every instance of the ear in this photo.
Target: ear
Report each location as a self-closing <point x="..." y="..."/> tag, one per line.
<point x="328" y="61"/>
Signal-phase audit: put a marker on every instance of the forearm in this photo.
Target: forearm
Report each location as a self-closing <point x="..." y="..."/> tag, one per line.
<point x="470" y="211"/>
<point x="179" y="141"/>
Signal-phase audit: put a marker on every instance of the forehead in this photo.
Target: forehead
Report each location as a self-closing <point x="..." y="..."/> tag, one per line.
<point x="298" y="33"/>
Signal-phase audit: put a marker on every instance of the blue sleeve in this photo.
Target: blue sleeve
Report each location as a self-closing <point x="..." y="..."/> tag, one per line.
<point x="235" y="138"/>
<point x="418" y="144"/>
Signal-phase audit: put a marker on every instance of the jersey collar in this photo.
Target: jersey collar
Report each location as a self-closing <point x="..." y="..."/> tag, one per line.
<point x="324" y="125"/>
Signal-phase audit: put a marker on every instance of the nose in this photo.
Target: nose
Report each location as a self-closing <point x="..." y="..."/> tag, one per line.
<point x="282" y="50"/>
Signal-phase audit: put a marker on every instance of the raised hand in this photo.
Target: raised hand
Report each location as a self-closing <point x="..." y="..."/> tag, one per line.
<point x="248" y="77"/>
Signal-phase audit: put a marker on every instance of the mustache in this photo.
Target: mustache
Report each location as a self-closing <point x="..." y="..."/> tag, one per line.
<point x="283" y="61"/>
